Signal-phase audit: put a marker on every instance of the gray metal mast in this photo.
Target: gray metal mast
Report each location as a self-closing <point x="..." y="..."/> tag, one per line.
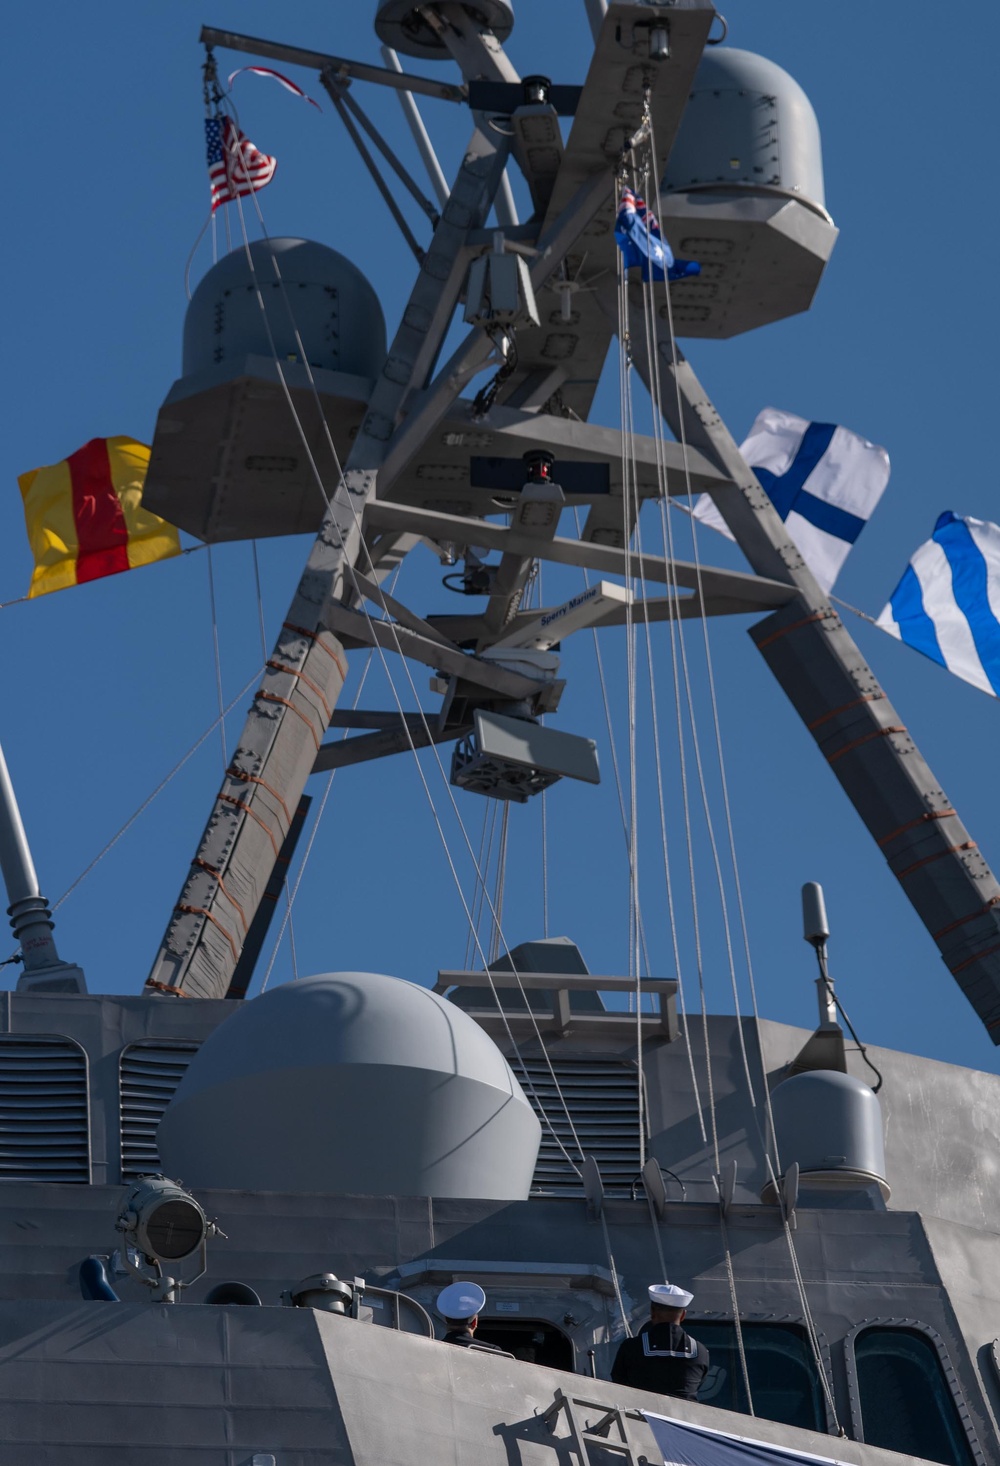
<point x="277" y="749"/>
<point x="30" y="917"/>
<point x="837" y="695"/>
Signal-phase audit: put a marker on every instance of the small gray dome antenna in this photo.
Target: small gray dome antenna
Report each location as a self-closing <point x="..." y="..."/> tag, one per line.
<point x="816" y="931"/>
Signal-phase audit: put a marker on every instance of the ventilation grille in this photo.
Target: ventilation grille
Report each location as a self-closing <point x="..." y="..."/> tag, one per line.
<point x="44" y="1121"/>
<point x="148" y="1077"/>
<point x="603" y="1101"/>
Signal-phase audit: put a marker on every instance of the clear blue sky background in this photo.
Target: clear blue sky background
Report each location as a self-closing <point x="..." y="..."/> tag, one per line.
<point x="108" y="685"/>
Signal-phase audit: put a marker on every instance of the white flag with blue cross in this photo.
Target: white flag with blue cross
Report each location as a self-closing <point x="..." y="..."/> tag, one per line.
<point x="824" y="481"/>
<point x="947" y="604"/>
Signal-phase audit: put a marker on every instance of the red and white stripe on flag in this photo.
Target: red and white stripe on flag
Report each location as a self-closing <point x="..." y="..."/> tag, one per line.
<point x="235" y="166"/>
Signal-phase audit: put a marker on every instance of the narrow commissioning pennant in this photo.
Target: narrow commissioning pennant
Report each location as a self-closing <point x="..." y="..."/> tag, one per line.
<point x="235" y="166"/>
<point x="85" y="517"/>
<point x="277" y="76"/>
<point x="824" y="481"/>
<point x="947" y="604"/>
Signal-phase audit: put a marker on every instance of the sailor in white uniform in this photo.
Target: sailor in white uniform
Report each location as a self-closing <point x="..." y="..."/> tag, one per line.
<point x="663" y="1357"/>
<point x="459" y="1305"/>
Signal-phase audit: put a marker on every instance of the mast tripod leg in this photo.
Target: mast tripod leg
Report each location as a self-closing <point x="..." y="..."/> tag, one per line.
<point x="276" y="751"/>
<point x="828" y="682"/>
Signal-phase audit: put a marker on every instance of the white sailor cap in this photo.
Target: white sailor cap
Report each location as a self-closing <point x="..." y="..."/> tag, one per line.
<point x="460" y="1300"/>
<point x="668" y="1295"/>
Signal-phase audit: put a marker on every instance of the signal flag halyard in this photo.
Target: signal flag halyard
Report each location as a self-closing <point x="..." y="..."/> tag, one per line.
<point x="235" y="166"/>
<point x="638" y="236"/>
<point x="85" y="518"/>
<point x="947" y="604"/>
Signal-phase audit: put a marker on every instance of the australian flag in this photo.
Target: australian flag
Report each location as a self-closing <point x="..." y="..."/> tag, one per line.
<point x="637" y="234"/>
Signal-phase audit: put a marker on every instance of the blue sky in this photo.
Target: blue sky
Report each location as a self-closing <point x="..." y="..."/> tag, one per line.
<point x="109" y="685"/>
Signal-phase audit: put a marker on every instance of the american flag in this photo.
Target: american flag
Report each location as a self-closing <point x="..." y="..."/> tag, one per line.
<point x="235" y="166"/>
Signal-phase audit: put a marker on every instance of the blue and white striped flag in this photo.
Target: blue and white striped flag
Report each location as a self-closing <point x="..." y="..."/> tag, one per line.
<point x="823" y="480"/>
<point x="947" y="604"/>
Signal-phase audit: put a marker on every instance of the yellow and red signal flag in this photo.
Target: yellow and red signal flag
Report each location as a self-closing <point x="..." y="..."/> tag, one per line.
<point x="85" y="517"/>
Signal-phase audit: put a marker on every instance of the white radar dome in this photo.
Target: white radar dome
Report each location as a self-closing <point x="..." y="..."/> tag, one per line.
<point x="352" y="1082"/>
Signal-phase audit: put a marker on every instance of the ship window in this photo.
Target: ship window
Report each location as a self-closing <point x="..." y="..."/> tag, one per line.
<point x="534" y="1340"/>
<point x="783" y="1379"/>
<point x="906" y="1403"/>
<point x="44" y="1110"/>
<point x="602" y="1098"/>
<point x="147" y="1078"/>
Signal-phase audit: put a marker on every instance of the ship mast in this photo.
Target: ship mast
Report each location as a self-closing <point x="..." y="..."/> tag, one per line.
<point x="365" y="531"/>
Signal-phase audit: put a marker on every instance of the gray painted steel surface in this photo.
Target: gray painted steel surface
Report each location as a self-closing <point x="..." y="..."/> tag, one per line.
<point x="353" y="1082"/>
<point x="399" y="24"/>
<point x="747" y="122"/>
<point x="743" y="195"/>
<point x="928" y="1259"/>
<point x="830" y="1126"/>
<point x="228" y="1385"/>
<point x="314" y="299"/>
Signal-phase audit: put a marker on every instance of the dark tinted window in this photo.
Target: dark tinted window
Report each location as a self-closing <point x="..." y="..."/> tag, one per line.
<point x="783" y="1378"/>
<point x="906" y="1404"/>
<point x="534" y="1340"/>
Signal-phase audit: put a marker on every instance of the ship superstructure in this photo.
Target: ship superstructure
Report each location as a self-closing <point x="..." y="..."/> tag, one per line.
<point x="345" y="1145"/>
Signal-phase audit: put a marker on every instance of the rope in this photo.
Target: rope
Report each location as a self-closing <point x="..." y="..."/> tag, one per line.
<point x="501" y="882"/>
<point x="158" y="790"/>
<point x="807" y="1312"/>
<point x="392" y="686"/>
<point x="260" y="599"/>
<point x="218" y="659"/>
<point x="614" y="1276"/>
<point x="611" y="739"/>
<point x="630" y="516"/>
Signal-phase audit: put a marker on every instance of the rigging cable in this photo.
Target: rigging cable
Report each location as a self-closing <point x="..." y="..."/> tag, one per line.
<point x="260" y="600"/>
<point x="293" y="894"/>
<point x="615" y="766"/>
<point x="796" y="1269"/>
<point x="661" y="485"/>
<point x="677" y="639"/>
<point x="545" y="812"/>
<point x="406" y="726"/>
<point x="630" y="517"/>
<point x="123" y="829"/>
<point x="218" y="659"/>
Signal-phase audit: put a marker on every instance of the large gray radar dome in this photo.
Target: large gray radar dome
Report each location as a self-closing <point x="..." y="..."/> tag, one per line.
<point x="352" y="1082"/>
<point x="399" y="23"/>
<point x="315" y="289"/>
<point x="747" y="122"/>
<point x="743" y="195"/>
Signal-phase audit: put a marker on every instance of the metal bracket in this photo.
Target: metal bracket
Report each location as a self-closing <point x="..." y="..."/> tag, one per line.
<point x="656" y="1188"/>
<point x="584" y="1433"/>
<point x="593" y="1187"/>
<point x="726" y="1182"/>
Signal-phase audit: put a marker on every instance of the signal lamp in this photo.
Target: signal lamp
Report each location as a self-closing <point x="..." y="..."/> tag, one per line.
<point x="163" y="1223"/>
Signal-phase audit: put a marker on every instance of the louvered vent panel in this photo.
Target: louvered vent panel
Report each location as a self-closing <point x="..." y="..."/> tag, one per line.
<point x="44" y="1121"/>
<point x="148" y="1077"/>
<point x="603" y="1101"/>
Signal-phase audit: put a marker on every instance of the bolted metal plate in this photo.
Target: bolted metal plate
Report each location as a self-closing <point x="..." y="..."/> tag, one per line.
<point x="761" y="254"/>
<point x="228" y="462"/>
<point x="512" y="758"/>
